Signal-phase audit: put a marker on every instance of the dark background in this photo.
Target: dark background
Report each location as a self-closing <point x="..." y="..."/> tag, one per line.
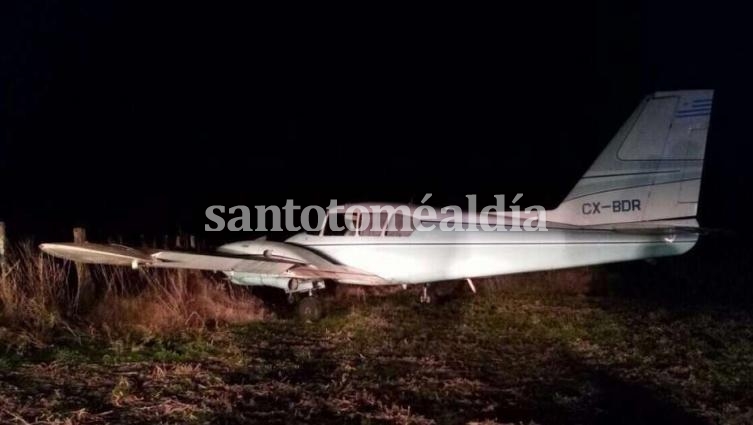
<point x="133" y="119"/>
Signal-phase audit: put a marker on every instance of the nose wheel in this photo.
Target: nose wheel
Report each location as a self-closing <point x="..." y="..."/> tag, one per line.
<point x="310" y="309"/>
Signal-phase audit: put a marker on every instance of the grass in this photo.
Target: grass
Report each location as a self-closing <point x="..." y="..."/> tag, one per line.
<point x="500" y="358"/>
<point x="523" y="350"/>
<point x="40" y="301"/>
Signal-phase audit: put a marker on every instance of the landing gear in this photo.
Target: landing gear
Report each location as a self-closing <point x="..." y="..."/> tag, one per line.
<point x="427" y="296"/>
<point x="470" y="284"/>
<point x="310" y="309"/>
<point x="439" y="291"/>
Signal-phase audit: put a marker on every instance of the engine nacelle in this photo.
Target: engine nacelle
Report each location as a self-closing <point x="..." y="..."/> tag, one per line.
<point x="285" y="283"/>
<point x="255" y="279"/>
<point x="301" y="285"/>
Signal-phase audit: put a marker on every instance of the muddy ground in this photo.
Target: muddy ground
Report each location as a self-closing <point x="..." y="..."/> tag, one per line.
<point x="493" y="358"/>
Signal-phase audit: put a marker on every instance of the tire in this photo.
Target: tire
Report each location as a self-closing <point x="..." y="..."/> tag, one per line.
<point x="310" y="309"/>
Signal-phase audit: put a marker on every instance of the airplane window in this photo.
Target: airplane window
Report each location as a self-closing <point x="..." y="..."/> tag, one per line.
<point x="400" y="225"/>
<point x="352" y="221"/>
<point x="373" y="223"/>
<point x="339" y="228"/>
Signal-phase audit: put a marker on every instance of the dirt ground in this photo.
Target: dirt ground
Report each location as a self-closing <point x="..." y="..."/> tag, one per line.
<point x="489" y="358"/>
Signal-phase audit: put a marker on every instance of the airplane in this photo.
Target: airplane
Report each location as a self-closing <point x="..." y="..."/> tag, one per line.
<point x="638" y="200"/>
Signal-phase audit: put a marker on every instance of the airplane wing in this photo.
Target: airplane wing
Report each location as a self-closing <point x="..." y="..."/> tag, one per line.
<point x="267" y="265"/>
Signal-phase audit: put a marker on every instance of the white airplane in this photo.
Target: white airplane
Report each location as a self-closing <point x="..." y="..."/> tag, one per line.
<point x="637" y="201"/>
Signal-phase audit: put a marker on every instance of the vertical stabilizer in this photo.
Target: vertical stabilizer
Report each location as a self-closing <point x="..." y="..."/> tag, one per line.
<point x="651" y="170"/>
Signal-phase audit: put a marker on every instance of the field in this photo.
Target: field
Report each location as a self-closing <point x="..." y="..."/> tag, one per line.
<point x="500" y="356"/>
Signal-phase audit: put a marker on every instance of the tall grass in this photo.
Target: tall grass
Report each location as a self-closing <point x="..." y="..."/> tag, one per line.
<point x="166" y="302"/>
<point x="34" y="292"/>
<point x="38" y="300"/>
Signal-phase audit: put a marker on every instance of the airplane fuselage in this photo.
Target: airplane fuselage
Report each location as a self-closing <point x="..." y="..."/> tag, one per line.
<point x="436" y="255"/>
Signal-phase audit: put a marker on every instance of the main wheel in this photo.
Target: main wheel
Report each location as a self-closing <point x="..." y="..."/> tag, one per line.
<point x="310" y="309"/>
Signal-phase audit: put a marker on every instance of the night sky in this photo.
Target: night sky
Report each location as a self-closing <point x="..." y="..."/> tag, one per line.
<point x="132" y="120"/>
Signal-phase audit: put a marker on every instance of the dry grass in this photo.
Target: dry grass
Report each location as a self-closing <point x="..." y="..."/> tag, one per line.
<point x="497" y="358"/>
<point x="39" y="298"/>
<point x="526" y="349"/>
<point x="34" y="294"/>
<point x="170" y="304"/>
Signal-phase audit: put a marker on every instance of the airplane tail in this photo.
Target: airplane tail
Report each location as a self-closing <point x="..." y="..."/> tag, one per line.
<point x="651" y="170"/>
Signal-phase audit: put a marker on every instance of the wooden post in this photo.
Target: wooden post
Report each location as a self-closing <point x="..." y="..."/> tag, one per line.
<point x="3" y="261"/>
<point x="79" y="235"/>
<point x="85" y="288"/>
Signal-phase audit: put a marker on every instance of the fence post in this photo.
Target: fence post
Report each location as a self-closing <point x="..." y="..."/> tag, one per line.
<point x="85" y="288"/>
